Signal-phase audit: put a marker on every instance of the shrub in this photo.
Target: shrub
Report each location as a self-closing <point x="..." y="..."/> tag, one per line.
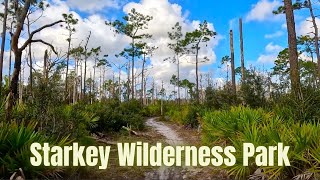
<point x="15" y="140"/>
<point x="305" y="109"/>
<point x="186" y="115"/>
<point x="245" y="125"/>
<point x="113" y="115"/>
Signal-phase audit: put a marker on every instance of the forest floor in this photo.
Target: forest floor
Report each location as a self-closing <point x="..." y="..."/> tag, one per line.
<point x="168" y="134"/>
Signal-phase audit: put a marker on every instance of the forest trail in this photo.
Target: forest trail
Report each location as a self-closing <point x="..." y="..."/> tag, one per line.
<point x="173" y="139"/>
<point x="173" y="136"/>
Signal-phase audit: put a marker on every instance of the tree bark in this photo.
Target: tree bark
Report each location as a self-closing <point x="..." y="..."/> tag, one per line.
<point x="243" y="75"/>
<point x="293" y="52"/>
<point x="45" y="67"/>
<point x="233" y="74"/>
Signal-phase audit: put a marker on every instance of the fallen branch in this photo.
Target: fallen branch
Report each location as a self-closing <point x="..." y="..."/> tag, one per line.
<point x="131" y="131"/>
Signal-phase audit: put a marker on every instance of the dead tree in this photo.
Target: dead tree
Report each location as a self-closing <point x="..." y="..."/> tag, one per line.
<point x="21" y="14"/>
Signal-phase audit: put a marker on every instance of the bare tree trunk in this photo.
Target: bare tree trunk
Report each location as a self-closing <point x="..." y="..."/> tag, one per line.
<point x="142" y="79"/>
<point x="153" y="89"/>
<point x="145" y="92"/>
<point x="10" y="56"/>
<point x="293" y="53"/>
<point x="100" y="85"/>
<point x="30" y="59"/>
<point x="3" y="41"/>
<point x="45" y="67"/>
<point x="178" y="65"/>
<point x="162" y="99"/>
<point x="132" y="68"/>
<point x="75" y="86"/>
<point x="94" y="75"/>
<point x="233" y="74"/>
<point x="91" y="100"/>
<point x="21" y="87"/>
<point x="85" y="64"/>
<point x="242" y="51"/>
<point x="67" y="70"/>
<point x="81" y="82"/>
<point x="119" y="85"/>
<point x="316" y="34"/>
<point x="103" y="82"/>
<point x="128" y="83"/>
<point x="197" y="73"/>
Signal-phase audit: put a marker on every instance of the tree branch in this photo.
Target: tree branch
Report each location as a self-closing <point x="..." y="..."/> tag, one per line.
<point x="46" y="43"/>
<point x="38" y="30"/>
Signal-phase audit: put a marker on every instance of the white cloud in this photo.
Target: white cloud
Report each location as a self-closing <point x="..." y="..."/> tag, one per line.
<point x="102" y="35"/>
<point x="270" y="54"/>
<point x="271" y="48"/>
<point x="93" y="5"/>
<point x="262" y="11"/>
<point x="306" y="27"/>
<point x="165" y="15"/>
<point x="274" y="35"/>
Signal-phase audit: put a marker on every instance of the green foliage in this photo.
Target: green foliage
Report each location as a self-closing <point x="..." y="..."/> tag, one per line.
<point x="187" y="115"/>
<point x="220" y="98"/>
<point x="253" y="89"/>
<point x="153" y="110"/>
<point x="113" y="115"/>
<point x="15" y="140"/>
<point x="245" y="125"/>
<point x="306" y="109"/>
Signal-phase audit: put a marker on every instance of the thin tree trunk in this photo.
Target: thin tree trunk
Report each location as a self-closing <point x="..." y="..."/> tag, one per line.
<point x="178" y="77"/>
<point x="162" y="99"/>
<point x="21" y="87"/>
<point x="10" y="55"/>
<point x="100" y="86"/>
<point x="142" y="79"/>
<point x="293" y="53"/>
<point x="132" y="68"/>
<point x="242" y="51"/>
<point x="30" y="60"/>
<point x="90" y="93"/>
<point x="145" y="92"/>
<point x="67" y="70"/>
<point x="128" y="83"/>
<point x="81" y="82"/>
<point x="3" y="41"/>
<point x="316" y="34"/>
<point x="232" y="64"/>
<point x="119" y="85"/>
<point x="85" y="63"/>
<point x="197" y="73"/>
<point x="153" y="89"/>
<point x="94" y="75"/>
<point x="45" y="67"/>
<point x="75" y="86"/>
